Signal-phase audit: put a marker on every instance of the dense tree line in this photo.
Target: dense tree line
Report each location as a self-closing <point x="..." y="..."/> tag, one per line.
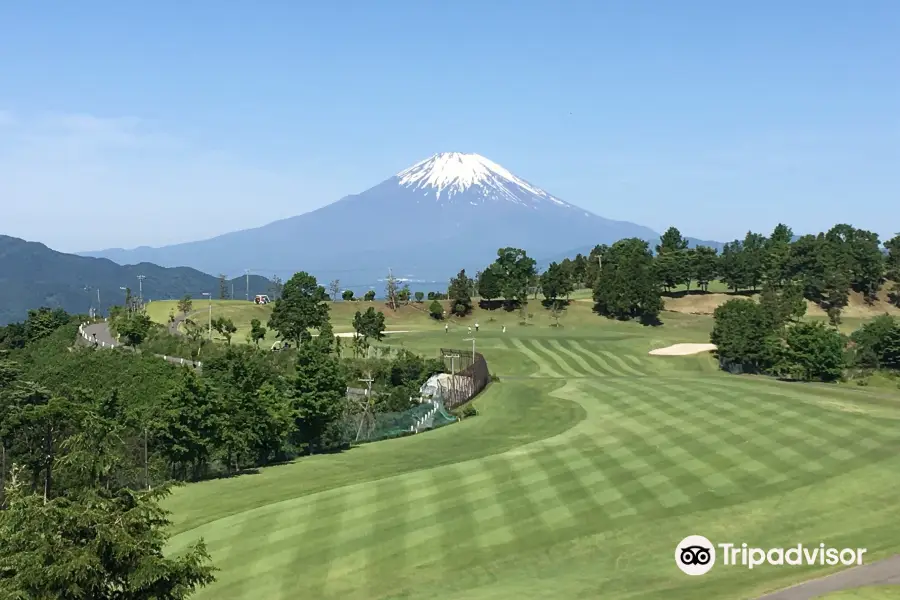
<point x="76" y="516"/>
<point x="90" y="439"/>
<point x="247" y="408"/>
<point x="769" y="337"/>
<point x="629" y="279"/>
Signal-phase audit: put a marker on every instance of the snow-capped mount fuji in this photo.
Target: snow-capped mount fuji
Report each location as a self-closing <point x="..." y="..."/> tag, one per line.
<point x="452" y="173"/>
<point x="444" y="213"/>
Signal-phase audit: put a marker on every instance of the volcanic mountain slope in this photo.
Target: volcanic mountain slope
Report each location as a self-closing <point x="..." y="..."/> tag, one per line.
<point x="449" y="211"/>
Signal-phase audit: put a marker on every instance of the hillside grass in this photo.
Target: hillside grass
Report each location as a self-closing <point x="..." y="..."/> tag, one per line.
<point x="412" y="317"/>
<point x="589" y="461"/>
<point x="579" y="313"/>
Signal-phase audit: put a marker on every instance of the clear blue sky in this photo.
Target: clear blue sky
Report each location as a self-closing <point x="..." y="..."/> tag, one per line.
<point x="180" y="120"/>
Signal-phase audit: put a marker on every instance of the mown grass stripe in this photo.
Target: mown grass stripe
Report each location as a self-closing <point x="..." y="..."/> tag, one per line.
<point x="521" y="510"/>
<point x="232" y="556"/>
<point x="543" y="367"/>
<point x="626" y="368"/>
<point x="842" y="435"/>
<point x="634" y="359"/>
<point x="683" y="484"/>
<point x="577" y="358"/>
<point x="384" y="547"/>
<point x="317" y="544"/>
<point x="459" y="529"/>
<point x="494" y="523"/>
<point x="570" y="489"/>
<point x="406" y="521"/>
<point x="646" y="417"/>
<point x="826" y="424"/>
<point x="596" y="358"/>
<point x="500" y="344"/>
<point x="673" y="412"/>
<point x="562" y="364"/>
<point x="719" y="421"/>
<point x="786" y="461"/>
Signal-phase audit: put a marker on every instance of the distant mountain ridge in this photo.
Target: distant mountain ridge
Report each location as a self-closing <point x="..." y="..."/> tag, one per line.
<point x="33" y="275"/>
<point x="444" y="213"/>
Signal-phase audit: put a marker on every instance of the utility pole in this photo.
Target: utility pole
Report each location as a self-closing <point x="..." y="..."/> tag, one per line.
<point x="247" y="278"/>
<point x="128" y="302"/>
<point x="452" y="358"/>
<point x="471" y="339"/>
<point x="209" y="295"/>
<point x="368" y="381"/>
<point x="232" y="290"/>
<point x="141" y="288"/>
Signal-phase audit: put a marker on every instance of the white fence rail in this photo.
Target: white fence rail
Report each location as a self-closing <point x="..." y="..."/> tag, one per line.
<point x="102" y="344"/>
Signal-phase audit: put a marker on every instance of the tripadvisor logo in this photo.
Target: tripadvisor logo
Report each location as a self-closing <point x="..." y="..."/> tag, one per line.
<point x="696" y="555"/>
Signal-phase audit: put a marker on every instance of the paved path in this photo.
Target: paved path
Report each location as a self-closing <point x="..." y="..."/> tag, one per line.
<point x="99" y="334"/>
<point x="883" y="572"/>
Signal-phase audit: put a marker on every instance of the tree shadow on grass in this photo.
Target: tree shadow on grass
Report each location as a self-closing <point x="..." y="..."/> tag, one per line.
<point x="646" y="320"/>
<point x="696" y="292"/>
<point x="560" y="303"/>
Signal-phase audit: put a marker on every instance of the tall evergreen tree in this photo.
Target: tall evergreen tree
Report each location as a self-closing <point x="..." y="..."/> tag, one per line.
<point x="459" y="292"/>
<point x="556" y="282"/>
<point x="489" y="284"/>
<point x="704" y="266"/>
<point x="93" y="544"/>
<point x="627" y="287"/>
<point x="892" y="268"/>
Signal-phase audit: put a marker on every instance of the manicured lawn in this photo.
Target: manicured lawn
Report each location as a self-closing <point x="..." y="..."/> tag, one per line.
<point x="589" y="461"/>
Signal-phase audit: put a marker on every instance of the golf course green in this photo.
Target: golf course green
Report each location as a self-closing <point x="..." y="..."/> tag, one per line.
<point x="589" y="461"/>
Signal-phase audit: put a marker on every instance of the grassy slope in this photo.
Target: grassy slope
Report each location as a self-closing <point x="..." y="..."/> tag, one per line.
<point x="414" y="317"/>
<point x="589" y="462"/>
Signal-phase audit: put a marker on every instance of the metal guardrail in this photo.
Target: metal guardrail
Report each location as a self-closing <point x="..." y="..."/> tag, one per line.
<point x="172" y="359"/>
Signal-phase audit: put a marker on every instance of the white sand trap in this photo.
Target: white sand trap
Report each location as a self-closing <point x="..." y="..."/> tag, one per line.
<point x="683" y="349"/>
<point x="353" y="333"/>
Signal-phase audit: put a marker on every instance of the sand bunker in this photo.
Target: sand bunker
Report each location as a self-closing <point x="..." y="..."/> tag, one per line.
<point x="353" y="334"/>
<point x="683" y="349"/>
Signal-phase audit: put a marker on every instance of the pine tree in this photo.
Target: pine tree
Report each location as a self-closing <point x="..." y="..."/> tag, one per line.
<point x="459" y="293"/>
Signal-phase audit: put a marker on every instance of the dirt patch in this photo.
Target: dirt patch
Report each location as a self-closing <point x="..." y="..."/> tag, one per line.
<point x="705" y="304"/>
<point x="683" y="349"/>
<point x="353" y="334"/>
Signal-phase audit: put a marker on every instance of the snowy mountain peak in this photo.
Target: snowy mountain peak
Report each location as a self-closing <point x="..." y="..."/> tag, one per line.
<point x="451" y="173"/>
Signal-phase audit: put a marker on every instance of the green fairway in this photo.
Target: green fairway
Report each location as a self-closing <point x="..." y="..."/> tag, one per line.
<point x="589" y="462"/>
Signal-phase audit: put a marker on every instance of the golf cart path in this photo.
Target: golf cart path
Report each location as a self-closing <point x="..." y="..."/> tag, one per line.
<point x="99" y="334"/>
<point x="882" y="572"/>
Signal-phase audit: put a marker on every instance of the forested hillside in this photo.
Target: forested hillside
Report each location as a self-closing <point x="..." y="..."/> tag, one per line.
<point x="33" y="275"/>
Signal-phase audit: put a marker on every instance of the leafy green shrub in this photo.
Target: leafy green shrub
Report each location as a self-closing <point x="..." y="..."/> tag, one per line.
<point x="436" y="310"/>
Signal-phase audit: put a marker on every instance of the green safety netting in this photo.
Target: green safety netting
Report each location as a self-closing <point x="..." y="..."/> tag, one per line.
<point x="360" y="428"/>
